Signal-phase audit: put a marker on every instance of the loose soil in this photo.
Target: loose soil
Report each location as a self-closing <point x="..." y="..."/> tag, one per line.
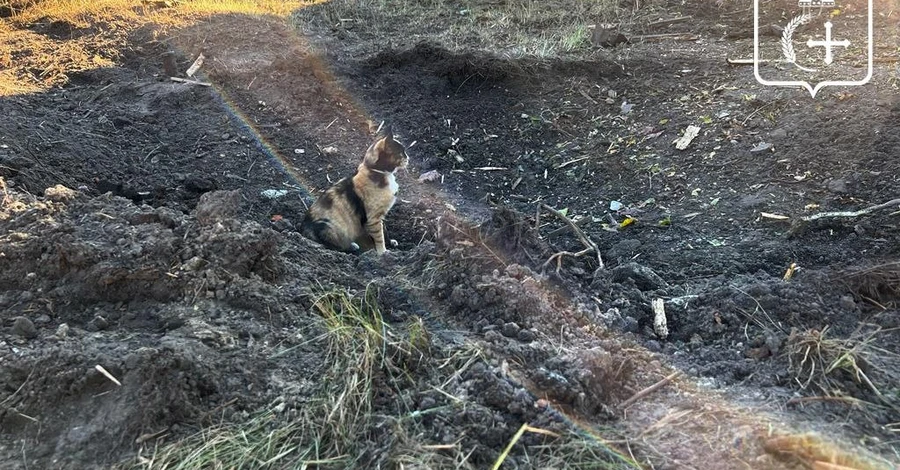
<point x="148" y="227"/>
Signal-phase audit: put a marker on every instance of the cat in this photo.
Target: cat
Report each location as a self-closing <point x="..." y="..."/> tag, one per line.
<point x="350" y="215"/>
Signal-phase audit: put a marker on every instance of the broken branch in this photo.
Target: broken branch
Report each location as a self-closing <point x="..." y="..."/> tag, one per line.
<point x="821" y="215"/>
<point x="647" y="391"/>
<point x="590" y="246"/>
<point x="189" y="82"/>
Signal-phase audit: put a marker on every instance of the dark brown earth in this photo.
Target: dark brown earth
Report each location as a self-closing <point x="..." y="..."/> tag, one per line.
<point x="156" y="255"/>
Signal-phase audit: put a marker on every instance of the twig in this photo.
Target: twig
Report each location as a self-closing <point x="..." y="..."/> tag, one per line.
<point x="745" y="61"/>
<point x="6" y="199"/>
<point x="669" y="21"/>
<point x="647" y="391"/>
<point x="846" y="400"/>
<point x="556" y="232"/>
<point x="589" y="245"/>
<point x="189" y="82"/>
<point x="20" y="386"/>
<point x="106" y="373"/>
<point x="153" y="435"/>
<point x="821" y="215"/>
<point x="663" y="37"/>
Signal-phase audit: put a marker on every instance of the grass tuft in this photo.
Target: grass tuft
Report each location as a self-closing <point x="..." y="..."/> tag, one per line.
<point x="525" y="28"/>
<point x="330" y="430"/>
<point x="853" y="367"/>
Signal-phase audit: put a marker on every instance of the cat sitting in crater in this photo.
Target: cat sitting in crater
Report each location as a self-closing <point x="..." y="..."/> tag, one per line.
<point x="350" y="215"/>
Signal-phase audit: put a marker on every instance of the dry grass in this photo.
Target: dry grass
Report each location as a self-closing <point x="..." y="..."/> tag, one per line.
<point x="97" y="32"/>
<point x="341" y="425"/>
<point x="854" y="367"/>
<point x="330" y="430"/>
<point x="879" y="284"/>
<point x="525" y="28"/>
<point x="816" y="453"/>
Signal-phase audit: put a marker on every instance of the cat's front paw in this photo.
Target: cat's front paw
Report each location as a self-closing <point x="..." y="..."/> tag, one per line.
<point x="354" y="247"/>
<point x="394" y="243"/>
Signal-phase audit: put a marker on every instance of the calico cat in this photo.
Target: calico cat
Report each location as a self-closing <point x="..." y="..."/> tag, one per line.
<point x="350" y="215"/>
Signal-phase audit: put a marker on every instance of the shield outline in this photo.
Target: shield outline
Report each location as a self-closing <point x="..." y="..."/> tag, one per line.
<point x="812" y="90"/>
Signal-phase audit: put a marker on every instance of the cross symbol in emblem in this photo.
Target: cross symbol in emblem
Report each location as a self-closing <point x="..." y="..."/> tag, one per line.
<point x="828" y="43"/>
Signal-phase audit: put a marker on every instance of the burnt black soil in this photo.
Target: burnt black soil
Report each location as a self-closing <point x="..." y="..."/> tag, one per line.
<point x="161" y="260"/>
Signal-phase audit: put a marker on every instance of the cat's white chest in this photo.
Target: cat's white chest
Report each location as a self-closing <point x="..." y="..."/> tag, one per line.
<point x="392" y="183"/>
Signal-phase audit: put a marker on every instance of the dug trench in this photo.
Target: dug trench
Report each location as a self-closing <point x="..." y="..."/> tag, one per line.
<point x="206" y="305"/>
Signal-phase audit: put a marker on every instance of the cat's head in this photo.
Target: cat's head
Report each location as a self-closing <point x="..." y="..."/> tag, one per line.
<point x="386" y="154"/>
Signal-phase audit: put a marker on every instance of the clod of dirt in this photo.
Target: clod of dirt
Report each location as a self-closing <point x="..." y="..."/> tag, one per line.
<point x="644" y="278"/>
<point x="216" y="206"/>
<point x="25" y="328"/>
<point x="510" y="330"/>
<point x="60" y="193"/>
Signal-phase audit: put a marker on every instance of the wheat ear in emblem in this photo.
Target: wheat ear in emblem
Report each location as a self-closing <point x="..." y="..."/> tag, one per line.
<point x="787" y="44"/>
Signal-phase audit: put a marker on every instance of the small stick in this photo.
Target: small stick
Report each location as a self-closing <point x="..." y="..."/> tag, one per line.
<point x="845" y="400"/>
<point x="588" y="244"/>
<point x="563" y="165"/>
<point x="556" y="232"/>
<point x="647" y="391"/>
<point x="669" y="21"/>
<point x="663" y="37"/>
<point x="745" y="61"/>
<point x="558" y="257"/>
<point x="821" y="215"/>
<point x="107" y="374"/>
<point x="195" y="66"/>
<point x="189" y="82"/>
<point x="153" y="435"/>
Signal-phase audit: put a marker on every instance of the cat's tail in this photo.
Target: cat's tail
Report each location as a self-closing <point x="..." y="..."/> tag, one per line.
<point x="323" y="232"/>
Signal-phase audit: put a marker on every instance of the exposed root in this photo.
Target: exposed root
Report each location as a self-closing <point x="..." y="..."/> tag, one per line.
<point x="844" y="367"/>
<point x="589" y="245"/>
<point x="879" y="284"/>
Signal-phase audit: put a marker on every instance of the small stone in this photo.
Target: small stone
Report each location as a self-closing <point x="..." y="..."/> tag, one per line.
<point x="492" y="335"/>
<point x="510" y="330"/>
<point x="42" y="319"/>
<point x="525" y="336"/>
<point x="630" y="324"/>
<point x="25" y="328"/>
<point x="427" y="403"/>
<point x="778" y="134"/>
<point x="215" y="206"/>
<point x="847" y="303"/>
<point x="653" y="345"/>
<point x="193" y="264"/>
<point x="98" y="324"/>
<point x="62" y="330"/>
<point x="838" y="185"/>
